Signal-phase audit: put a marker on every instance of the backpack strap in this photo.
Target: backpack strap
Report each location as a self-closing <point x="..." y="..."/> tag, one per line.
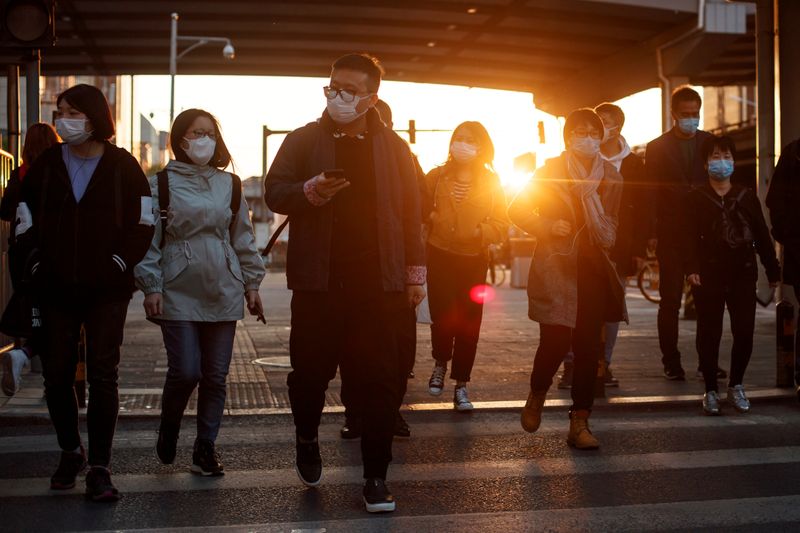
<point x="162" y="179"/>
<point x="236" y="201"/>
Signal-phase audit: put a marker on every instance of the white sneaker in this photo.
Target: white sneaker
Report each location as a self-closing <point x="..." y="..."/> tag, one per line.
<point x="461" y="400"/>
<point x="436" y="383"/>
<point x="14" y="362"/>
<point x="711" y="403"/>
<point x="737" y="398"/>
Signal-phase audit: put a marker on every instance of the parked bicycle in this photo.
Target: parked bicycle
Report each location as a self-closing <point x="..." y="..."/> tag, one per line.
<point x="496" y="273"/>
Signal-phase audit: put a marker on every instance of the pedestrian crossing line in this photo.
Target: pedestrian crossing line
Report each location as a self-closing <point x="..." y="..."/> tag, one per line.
<point x="470" y="470"/>
<point x="552" y="424"/>
<point x="693" y="515"/>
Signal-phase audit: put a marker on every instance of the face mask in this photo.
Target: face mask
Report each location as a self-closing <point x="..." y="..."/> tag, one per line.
<point x="720" y="169"/>
<point x="73" y="130"/>
<point x="200" y="150"/>
<point x="608" y="133"/>
<point x="688" y="125"/>
<point x="463" y="152"/>
<point x="586" y="146"/>
<point x="342" y="112"/>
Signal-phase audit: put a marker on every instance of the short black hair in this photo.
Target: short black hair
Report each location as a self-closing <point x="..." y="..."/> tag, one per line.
<point x="612" y="109"/>
<point x="363" y="62"/>
<point x="685" y="93"/>
<point x="90" y="101"/>
<point x="183" y="121"/>
<point x="584" y="115"/>
<point x="723" y="142"/>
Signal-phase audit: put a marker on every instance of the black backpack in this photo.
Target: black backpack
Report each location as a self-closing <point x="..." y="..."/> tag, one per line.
<point x="732" y="228"/>
<point x="163" y="201"/>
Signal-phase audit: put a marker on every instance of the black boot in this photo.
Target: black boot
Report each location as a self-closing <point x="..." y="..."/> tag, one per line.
<point x="205" y="459"/>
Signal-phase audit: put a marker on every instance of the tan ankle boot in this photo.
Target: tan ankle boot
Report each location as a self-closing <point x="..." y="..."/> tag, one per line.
<point x="579" y="434"/>
<point x="531" y="416"/>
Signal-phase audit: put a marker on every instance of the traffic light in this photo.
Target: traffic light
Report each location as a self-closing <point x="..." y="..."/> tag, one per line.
<point x="28" y="23"/>
<point x="412" y="131"/>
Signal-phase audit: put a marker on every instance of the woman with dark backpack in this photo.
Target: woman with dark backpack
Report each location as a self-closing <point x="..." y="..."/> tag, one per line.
<point x="201" y="268"/>
<point x="726" y="228"/>
<point x="85" y="220"/>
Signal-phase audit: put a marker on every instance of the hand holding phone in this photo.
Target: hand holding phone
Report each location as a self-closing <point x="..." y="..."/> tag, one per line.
<point x="333" y="181"/>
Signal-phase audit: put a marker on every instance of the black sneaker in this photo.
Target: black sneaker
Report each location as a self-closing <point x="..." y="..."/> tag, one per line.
<point x="309" y="463"/>
<point x="99" y="487"/>
<point x="401" y="428"/>
<point x="166" y="445"/>
<point x="377" y="497"/>
<point x="351" y="428"/>
<point x="674" y="373"/>
<point x="610" y="380"/>
<point x="69" y="466"/>
<point x="205" y="459"/>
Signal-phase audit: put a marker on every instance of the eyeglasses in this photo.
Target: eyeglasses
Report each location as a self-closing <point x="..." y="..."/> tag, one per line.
<point x="196" y="134"/>
<point x="347" y="96"/>
<point x="582" y="134"/>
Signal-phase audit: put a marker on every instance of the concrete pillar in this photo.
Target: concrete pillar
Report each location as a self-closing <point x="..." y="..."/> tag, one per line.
<point x="787" y="16"/>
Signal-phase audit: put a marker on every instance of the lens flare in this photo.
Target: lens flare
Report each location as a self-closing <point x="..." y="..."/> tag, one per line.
<point x="480" y="294"/>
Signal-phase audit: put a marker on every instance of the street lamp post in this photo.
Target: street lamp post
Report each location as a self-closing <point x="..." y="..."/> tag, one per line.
<point x="228" y="52"/>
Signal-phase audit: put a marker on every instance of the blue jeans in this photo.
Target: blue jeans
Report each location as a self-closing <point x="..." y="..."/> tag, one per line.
<point x="197" y="353"/>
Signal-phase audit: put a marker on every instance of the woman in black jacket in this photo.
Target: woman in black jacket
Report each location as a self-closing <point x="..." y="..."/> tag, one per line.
<point x="86" y="218"/>
<point x="726" y="229"/>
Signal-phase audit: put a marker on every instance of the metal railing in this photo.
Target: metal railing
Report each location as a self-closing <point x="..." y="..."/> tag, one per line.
<point x="7" y="164"/>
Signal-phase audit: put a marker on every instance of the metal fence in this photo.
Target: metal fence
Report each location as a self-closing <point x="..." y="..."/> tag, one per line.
<point x="6" y="166"/>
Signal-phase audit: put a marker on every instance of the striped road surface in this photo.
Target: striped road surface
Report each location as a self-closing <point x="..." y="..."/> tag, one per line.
<point x="660" y="468"/>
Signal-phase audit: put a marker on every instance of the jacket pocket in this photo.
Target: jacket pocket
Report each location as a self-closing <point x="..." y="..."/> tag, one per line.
<point x="175" y="260"/>
<point x="233" y="263"/>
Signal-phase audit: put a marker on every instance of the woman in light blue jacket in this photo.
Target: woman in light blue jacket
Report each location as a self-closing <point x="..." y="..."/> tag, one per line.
<point x="201" y="268"/>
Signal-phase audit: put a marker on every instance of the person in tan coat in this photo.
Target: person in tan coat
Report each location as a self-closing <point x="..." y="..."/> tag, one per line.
<point x="464" y="211"/>
<point x="571" y="207"/>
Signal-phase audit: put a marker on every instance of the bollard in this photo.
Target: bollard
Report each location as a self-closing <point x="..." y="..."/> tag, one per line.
<point x="784" y="335"/>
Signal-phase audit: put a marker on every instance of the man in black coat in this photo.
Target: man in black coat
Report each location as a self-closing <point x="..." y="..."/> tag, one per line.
<point x="783" y="201"/>
<point x="673" y="167"/>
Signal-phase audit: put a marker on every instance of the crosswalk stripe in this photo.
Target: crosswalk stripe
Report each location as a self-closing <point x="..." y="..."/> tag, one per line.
<point x="501" y="424"/>
<point x="284" y="477"/>
<point x="717" y="514"/>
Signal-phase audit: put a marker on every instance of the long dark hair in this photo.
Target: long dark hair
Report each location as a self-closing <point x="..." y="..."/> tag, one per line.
<point x="221" y="157"/>
<point x="90" y="101"/>
<point x="485" y="145"/>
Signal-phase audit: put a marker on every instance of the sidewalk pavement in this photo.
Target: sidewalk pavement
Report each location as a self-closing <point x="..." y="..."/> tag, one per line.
<point x="257" y="378"/>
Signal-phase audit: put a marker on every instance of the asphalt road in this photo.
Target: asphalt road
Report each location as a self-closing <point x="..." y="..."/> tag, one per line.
<point x="661" y="467"/>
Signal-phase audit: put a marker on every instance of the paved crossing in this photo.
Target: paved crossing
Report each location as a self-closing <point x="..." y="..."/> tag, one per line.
<point x="660" y="467"/>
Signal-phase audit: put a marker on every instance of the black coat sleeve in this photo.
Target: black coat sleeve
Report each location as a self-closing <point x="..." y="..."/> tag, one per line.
<point x="137" y="214"/>
<point x="763" y="242"/>
<point x="11" y="197"/>
<point x="283" y="186"/>
<point x="779" y="200"/>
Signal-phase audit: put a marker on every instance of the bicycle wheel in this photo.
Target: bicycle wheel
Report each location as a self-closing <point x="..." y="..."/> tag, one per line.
<point x="495" y="275"/>
<point x="647" y="281"/>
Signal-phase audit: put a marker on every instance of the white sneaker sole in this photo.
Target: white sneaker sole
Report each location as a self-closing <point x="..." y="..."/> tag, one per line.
<point x="435" y="391"/>
<point x="464" y="407"/>
<point x="385" y="507"/>
<point x="308" y="483"/>
<point x="200" y="472"/>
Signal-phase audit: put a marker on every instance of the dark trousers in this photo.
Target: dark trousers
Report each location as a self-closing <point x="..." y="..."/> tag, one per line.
<point x="407" y="346"/>
<point x="103" y="322"/>
<point x="585" y="339"/>
<point x="353" y="325"/>
<point x="797" y="342"/>
<point x="670" y="289"/>
<point x="198" y="353"/>
<point x="710" y="300"/>
<point x="455" y="316"/>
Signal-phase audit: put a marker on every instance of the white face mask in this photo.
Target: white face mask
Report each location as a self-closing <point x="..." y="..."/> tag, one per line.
<point x="463" y="152"/>
<point x="343" y="112"/>
<point x="200" y="150"/>
<point x="586" y="146"/>
<point x="73" y="130"/>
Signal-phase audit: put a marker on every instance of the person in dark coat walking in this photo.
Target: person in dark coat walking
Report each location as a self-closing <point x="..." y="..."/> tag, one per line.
<point x="87" y="218"/>
<point x="725" y="228"/>
<point x="783" y="201"/>
<point x="673" y="166"/>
